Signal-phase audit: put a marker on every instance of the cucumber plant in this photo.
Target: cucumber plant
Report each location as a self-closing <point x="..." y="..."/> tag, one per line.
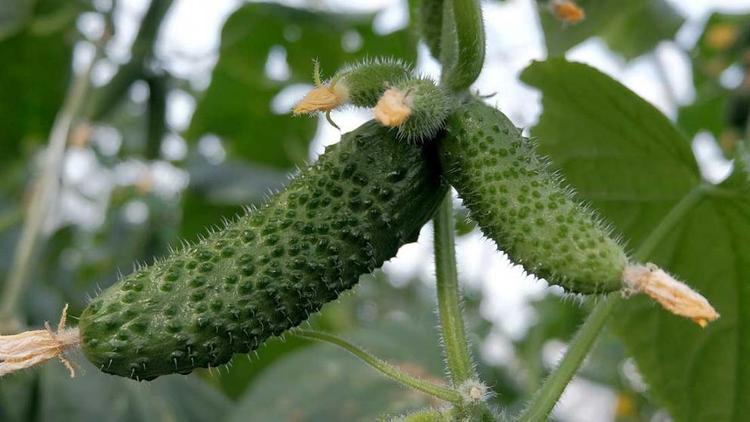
<point x="267" y="271"/>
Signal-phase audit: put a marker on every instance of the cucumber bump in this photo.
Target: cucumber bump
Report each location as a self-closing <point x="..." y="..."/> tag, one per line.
<point x="268" y="270"/>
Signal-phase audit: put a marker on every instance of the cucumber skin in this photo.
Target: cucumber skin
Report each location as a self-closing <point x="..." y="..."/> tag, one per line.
<point x="523" y="206"/>
<point x="269" y="270"/>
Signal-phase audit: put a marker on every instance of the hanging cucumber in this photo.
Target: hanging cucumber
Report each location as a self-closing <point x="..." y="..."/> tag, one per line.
<point x="270" y="269"/>
<point x="524" y="207"/>
<point x="531" y="215"/>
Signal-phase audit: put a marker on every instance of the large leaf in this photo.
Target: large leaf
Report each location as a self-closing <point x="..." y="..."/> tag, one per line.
<point x="31" y="93"/>
<point x="237" y="105"/>
<point x="630" y="28"/>
<point x="625" y="158"/>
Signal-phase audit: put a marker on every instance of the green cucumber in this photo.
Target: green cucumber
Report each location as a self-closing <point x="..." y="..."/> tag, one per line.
<point x="416" y="108"/>
<point x="360" y="84"/>
<point x="268" y="270"/>
<point x="524" y="207"/>
<point x="366" y="81"/>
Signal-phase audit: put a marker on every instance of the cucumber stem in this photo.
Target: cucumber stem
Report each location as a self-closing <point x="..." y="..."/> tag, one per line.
<point x="443" y="393"/>
<point x="455" y="344"/>
<point x="545" y="399"/>
<point x="462" y="47"/>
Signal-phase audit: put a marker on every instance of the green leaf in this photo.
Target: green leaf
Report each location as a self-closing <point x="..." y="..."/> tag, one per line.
<point x="325" y="383"/>
<point x="13" y="16"/>
<point x="630" y="28"/>
<point x="627" y="159"/>
<point x="717" y="109"/>
<point x="237" y="105"/>
<point x="31" y="93"/>
<point x="94" y="396"/>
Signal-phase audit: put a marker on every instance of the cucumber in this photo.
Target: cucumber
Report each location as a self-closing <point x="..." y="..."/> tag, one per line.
<point x="416" y="108"/>
<point x="270" y="269"/>
<point x="366" y="81"/>
<point x="525" y="207"/>
<point x="360" y="84"/>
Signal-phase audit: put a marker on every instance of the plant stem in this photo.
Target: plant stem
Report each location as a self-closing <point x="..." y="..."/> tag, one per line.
<point x="384" y="367"/>
<point x="43" y="196"/>
<point x="455" y="344"/>
<point x="545" y="399"/>
<point x="462" y="45"/>
<point x="553" y="387"/>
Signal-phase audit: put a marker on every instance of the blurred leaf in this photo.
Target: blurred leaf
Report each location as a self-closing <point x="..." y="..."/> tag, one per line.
<point x="627" y="160"/>
<point x="324" y="383"/>
<point x="630" y="28"/>
<point x="32" y="93"/>
<point x="94" y="396"/>
<point x="13" y="15"/>
<point x="236" y="182"/>
<point x="718" y="109"/>
<point x="237" y="105"/>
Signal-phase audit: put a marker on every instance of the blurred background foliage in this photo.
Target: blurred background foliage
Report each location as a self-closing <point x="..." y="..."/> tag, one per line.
<point x="132" y="184"/>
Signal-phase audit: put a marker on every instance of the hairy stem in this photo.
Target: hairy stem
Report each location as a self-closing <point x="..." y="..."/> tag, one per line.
<point x="45" y="192"/>
<point x="462" y="45"/>
<point x="545" y="399"/>
<point x="443" y="393"/>
<point x="455" y="344"/>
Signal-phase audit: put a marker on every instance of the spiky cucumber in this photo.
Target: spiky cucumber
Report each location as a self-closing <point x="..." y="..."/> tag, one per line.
<point x="268" y="270"/>
<point x="525" y="207"/>
<point x="360" y="84"/>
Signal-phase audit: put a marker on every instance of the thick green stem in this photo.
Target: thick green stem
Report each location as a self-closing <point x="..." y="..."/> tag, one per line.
<point x="455" y="344"/>
<point x="443" y="393"/>
<point x="462" y="46"/>
<point x="44" y="195"/>
<point x="545" y="399"/>
<point x="157" y="112"/>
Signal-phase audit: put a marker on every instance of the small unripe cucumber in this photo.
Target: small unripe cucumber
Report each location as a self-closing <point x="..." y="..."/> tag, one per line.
<point x="366" y="81"/>
<point x="416" y="107"/>
<point x="270" y="269"/>
<point x="524" y="207"/>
